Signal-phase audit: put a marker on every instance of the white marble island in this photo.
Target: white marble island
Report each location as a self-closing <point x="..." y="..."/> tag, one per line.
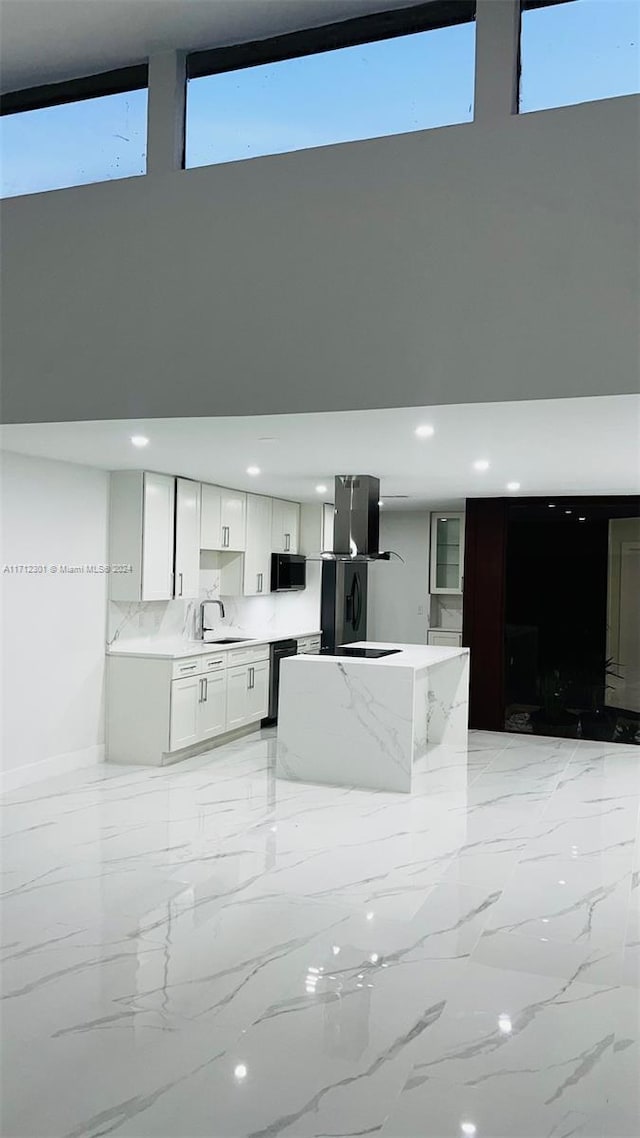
<point x="350" y="721"/>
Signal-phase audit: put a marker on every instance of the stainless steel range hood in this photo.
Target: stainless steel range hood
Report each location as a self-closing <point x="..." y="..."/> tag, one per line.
<point x="356" y="531"/>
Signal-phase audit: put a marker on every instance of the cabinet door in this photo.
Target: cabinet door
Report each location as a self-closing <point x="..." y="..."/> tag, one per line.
<point x="257" y="561"/>
<point x="258" y="691"/>
<point x="185" y="712"/>
<point x="285" y="526"/>
<point x="211" y="517"/>
<point x="233" y="520"/>
<point x="157" y="537"/>
<point x="328" y="518"/>
<point x="187" y="570"/>
<point x="213" y="705"/>
<point x="291" y="526"/>
<point x="277" y="526"/>
<point x="447" y="552"/>
<point x="237" y="696"/>
<point x="444" y="639"/>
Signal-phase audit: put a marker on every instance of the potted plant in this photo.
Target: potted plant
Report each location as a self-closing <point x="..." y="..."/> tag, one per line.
<point x="553" y="717"/>
<point x="598" y="721"/>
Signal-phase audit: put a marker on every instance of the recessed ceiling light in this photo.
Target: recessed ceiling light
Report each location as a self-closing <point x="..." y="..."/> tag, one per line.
<point x="582" y="519"/>
<point x="513" y="485"/>
<point x="425" y="431"/>
<point x="552" y="505"/>
<point x="139" y="440"/>
<point x="240" y="1071"/>
<point x="321" y="489"/>
<point x="481" y="464"/>
<point x="468" y="1129"/>
<point x="253" y="470"/>
<point x="567" y="511"/>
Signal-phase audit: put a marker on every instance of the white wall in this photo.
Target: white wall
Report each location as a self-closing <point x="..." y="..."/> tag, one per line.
<point x="53" y="636"/>
<point x="398" y="591"/>
<point x="490" y="261"/>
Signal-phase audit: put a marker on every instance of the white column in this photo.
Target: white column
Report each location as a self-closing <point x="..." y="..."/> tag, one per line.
<point x="497" y="59"/>
<point x="166" y="112"/>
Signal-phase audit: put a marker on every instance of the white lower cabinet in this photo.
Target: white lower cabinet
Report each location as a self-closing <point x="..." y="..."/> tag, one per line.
<point x="156" y="708"/>
<point x="198" y="709"/>
<point x="258" y="701"/>
<point x="213" y="705"/>
<point x="237" y="688"/>
<point x="247" y="694"/>
<point x="185" y="702"/>
<point x="441" y="639"/>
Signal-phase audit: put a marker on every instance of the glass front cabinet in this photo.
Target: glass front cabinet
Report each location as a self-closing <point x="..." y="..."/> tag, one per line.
<point x="447" y="552"/>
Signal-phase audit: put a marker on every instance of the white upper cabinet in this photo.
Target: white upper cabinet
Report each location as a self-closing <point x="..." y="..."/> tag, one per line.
<point x="447" y="552"/>
<point x="234" y="520"/>
<point x="141" y="536"/>
<point x="328" y="518"/>
<point x="223" y="521"/>
<point x="211" y="517"/>
<point x="285" y="526"/>
<point x="257" y="559"/>
<point x="187" y="561"/>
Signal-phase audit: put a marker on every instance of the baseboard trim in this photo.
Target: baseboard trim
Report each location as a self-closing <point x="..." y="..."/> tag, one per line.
<point x="48" y="768"/>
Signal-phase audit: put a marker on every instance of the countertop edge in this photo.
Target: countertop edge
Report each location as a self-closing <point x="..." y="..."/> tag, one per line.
<point x="199" y="648"/>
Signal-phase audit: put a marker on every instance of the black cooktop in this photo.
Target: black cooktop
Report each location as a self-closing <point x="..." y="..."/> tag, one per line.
<point x="367" y="653"/>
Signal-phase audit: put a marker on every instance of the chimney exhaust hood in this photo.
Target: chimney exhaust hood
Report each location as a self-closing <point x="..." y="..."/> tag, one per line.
<point x="356" y="530"/>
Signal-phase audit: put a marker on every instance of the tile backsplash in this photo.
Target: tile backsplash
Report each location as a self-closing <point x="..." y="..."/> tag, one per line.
<point x="280" y="613"/>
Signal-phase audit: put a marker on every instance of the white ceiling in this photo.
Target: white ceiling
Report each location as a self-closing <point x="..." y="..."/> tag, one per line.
<point x="555" y="446"/>
<point x="45" y="41"/>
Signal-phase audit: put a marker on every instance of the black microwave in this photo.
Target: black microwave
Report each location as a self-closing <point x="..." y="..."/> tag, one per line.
<point x="288" y="572"/>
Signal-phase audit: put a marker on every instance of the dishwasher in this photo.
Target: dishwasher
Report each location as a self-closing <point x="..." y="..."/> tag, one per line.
<point x="279" y="649"/>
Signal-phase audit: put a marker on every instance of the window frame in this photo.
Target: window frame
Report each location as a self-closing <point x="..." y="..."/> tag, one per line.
<point x="359" y="30"/>
<point x="527" y="6"/>
<point x="117" y="82"/>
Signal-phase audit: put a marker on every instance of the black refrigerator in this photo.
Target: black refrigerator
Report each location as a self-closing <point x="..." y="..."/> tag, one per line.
<point x="343" y="610"/>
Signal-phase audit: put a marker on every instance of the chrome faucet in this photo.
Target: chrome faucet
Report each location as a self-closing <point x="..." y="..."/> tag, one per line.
<point x="202" y="608"/>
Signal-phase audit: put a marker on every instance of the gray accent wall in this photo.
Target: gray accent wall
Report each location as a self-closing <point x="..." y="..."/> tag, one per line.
<point x="474" y="263"/>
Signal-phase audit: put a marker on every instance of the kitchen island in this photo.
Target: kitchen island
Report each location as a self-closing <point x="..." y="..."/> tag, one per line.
<point x="357" y="721"/>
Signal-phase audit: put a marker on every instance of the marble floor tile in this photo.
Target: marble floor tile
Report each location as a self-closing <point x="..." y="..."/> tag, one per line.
<point x="206" y="950"/>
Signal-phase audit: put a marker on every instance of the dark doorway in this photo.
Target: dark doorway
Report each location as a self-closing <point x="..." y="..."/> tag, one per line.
<point x="559" y="674"/>
<point x="552" y="616"/>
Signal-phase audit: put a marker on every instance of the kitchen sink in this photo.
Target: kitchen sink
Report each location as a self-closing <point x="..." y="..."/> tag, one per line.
<point x="228" y="640"/>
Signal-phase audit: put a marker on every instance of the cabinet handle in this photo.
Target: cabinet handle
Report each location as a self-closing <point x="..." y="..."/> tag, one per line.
<point x="180" y="576"/>
<point x="251" y="678"/>
<point x="287" y="542"/>
<point x="259" y="589"/>
<point x="200" y="691"/>
<point x="225" y="536"/>
<point x="188" y="668"/>
<point x="206" y="689"/>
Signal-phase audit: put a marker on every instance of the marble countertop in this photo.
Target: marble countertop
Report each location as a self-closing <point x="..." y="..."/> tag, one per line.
<point x="417" y="657"/>
<point x="157" y="649"/>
